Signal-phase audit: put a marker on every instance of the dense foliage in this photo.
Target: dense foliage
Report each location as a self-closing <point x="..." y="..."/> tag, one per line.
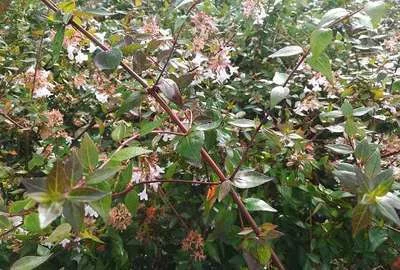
<point x="296" y="102"/>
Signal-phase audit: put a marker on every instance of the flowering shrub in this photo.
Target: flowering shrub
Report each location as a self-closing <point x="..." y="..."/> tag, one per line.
<point x="199" y="134"/>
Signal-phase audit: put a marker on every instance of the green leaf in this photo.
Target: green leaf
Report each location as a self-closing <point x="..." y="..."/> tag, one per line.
<point x="132" y="101"/>
<point x="85" y="194"/>
<point x="280" y="78"/>
<point x="360" y="219"/>
<point x="242" y="123"/>
<point x="4" y="222"/>
<point x="347" y="109"/>
<point x="147" y="127"/>
<point x="340" y="148"/>
<point x="373" y="164"/>
<point x="385" y="175"/>
<point x="49" y="212"/>
<point x="249" y="179"/>
<point x="67" y="6"/>
<point x="255" y="204"/>
<point x="57" y="181"/>
<point x="31" y="223"/>
<point x="375" y="10"/>
<point x="377" y="237"/>
<point x="129" y="152"/>
<point x="320" y="39"/>
<point x="121" y="131"/>
<point x="88" y="154"/>
<point x="103" y="205"/>
<point x="278" y="94"/>
<point x="386" y="208"/>
<point x="364" y="150"/>
<point x="190" y="146"/>
<point x="108" y="60"/>
<point x="18" y="206"/>
<point x="60" y="233"/>
<point x="74" y="213"/>
<point x="287" y="51"/>
<point x="29" y="262"/>
<point x="57" y="44"/>
<point x="102" y="174"/>
<point x="362" y="111"/>
<point x="36" y="161"/>
<point x="73" y="167"/>
<point x="331" y="16"/>
<point x="132" y="201"/>
<point x="322" y="64"/>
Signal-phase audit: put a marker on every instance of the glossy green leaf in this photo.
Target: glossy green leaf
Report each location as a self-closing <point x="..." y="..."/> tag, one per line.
<point x="103" y="205"/>
<point x="57" y="43"/>
<point x="255" y="204"/>
<point x="242" y="123"/>
<point x="29" y="262"/>
<point x="121" y="131"/>
<point x="48" y="213"/>
<point x="85" y="194"/>
<point x="31" y="223"/>
<point x="74" y="214"/>
<point x="340" y="148"/>
<point x="108" y="60"/>
<point x="103" y="174"/>
<point x="332" y="16"/>
<point x="320" y="39"/>
<point x="132" y="201"/>
<point x="249" y="179"/>
<point x="360" y="219"/>
<point x="287" y="51"/>
<point x="60" y="233"/>
<point x="322" y="64"/>
<point x="375" y="10"/>
<point x="88" y="154"/>
<point x="57" y="181"/>
<point x="190" y="145"/>
<point x="129" y="152"/>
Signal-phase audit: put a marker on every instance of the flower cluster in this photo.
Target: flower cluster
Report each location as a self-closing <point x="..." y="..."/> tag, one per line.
<point x="39" y="80"/>
<point x="254" y="9"/>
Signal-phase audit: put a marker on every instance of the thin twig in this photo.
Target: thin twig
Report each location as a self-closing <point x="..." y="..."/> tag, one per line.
<point x="130" y="186"/>
<point x="246" y="151"/>
<point x="175" y="42"/>
<point x="11" y="230"/>
<point x="164" y="197"/>
<point x="6" y="116"/>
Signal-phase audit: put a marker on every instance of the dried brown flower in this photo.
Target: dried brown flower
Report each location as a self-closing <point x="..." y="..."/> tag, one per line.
<point x="120" y="217"/>
<point x="194" y="244"/>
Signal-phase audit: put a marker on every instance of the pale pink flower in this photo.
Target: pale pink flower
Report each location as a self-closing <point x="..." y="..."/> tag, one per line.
<point x="54" y="118"/>
<point x="255" y="10"/>
<point x="151" y="26"/>
<point x="198" y="43"/>
<point x="248" y="7"/>
<point x="42" y="85"/>
<point x="204" y="24"/>
<point x="220" y="65"/>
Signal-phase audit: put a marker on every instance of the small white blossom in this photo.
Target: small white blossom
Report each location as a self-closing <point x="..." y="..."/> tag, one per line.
<point x="143" y="195"/>
<point x="90" y="212"/>
<point x="81" y="57"/>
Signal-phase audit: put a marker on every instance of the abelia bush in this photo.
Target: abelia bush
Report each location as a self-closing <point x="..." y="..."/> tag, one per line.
<point x="199" y="134"/>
